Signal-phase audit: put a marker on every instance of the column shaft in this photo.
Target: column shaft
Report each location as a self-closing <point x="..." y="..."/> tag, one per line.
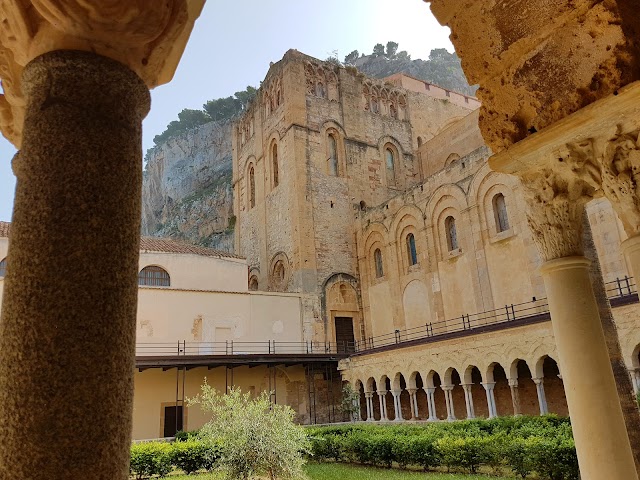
<point x="383" y="406"/>
<point x="515" y="396"/>
<point x="542" y="398"/>
<point x="431" y="404"/>
<point x="67" y="333"/>
<point x="601" y="439"/>
<point x="468" y="396"/>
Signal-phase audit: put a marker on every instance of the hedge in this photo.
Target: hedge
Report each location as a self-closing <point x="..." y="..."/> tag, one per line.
<point x="525" y="444"/>
<point x="160" y="458"/>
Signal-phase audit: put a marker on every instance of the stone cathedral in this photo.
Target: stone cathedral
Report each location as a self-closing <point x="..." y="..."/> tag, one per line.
<point x="373" y="200"/>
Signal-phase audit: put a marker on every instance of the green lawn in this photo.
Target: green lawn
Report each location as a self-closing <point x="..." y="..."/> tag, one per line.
<point x="328" y="471"/>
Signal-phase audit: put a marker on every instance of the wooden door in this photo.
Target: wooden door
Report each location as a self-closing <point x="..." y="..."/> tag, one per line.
<point x="345" y="340"/>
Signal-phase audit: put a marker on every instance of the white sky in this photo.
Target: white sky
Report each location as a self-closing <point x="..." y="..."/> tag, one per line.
<point x="233" y="42"/>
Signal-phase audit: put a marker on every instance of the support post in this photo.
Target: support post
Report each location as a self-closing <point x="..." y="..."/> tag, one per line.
<point x="431" y="403"/>
<point x="72" y="276"/>
<point x="542" y="397"/>
<point x="448" y="397"/>
<point x="383" y="405"/>
<point x="491" y="399"/>
<point x="468" y="397"/>
<point x="369" y="400"/>
<point x="515" y="396"/>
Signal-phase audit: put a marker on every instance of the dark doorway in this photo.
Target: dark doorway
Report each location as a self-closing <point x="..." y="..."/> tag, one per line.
<point x="172" y="420"/>
<point x="345" y="340"/>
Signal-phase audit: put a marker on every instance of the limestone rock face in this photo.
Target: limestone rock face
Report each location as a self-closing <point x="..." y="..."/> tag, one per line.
<point x="187" y="192"/>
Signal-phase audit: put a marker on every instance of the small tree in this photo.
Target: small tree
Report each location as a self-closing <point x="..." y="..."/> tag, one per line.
<point x="350" y="404"/>
<point x="256" y="436"/>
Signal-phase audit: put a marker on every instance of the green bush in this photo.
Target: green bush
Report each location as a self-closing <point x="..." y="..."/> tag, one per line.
<point x="543" y="445"/>
<point x="148" y="459"/>
<point x="193" y="455"/>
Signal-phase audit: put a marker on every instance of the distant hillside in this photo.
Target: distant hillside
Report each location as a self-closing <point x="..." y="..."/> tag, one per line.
<point x="442" y="68"/>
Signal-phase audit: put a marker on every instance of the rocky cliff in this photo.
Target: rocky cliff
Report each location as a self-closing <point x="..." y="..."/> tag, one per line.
<point x="187" y="192"/>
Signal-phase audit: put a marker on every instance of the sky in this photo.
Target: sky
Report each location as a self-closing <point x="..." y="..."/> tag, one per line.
<point x="233" y="43"/>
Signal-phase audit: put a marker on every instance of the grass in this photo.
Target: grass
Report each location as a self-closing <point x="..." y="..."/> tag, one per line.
<point x="331" y="471"/>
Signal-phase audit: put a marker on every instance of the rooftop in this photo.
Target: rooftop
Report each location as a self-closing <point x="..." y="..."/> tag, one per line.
<point x="158" y="245"/>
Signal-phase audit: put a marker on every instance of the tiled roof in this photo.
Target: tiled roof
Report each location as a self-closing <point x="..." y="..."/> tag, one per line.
<point x="4" y="229"/>
<point x="164" y="245"/>
<point x="158" y="245"/>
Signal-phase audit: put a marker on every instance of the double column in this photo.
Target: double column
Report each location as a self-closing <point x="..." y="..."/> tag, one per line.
<point x="491" y="398"/>
<point x="369" y="401"/>
<point x="542" y="397"/>
<point x="468" y="398"/>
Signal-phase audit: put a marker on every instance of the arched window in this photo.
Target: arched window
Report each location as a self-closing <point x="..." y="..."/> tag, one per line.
<point x="252" y="188"/>
<point x="411" y="249"/>
<point x="3" y="267"/>
<point x="154" y="277"/>
<point x="419" y="142"/>
<point x="253" y="283"/>
<point x="391" y="166"/>
<point x="279" y="274"/>
<point x="333" y="156"/>
<point x="320" y="90"/>
<point x="500" y="213"/>
<point x="392" y="111"/>
<point x="274" y="159"/>
<point x="374" y="105"/>
<point x="452" y="234"/>
<point x="377" y="256"/>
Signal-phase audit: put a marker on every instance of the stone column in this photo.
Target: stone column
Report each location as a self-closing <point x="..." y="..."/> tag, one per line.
<point x="383" y="404"/>
<point x="67" y="333"/>
<point x="468" y="397"/>
<point x="491" y="399"/>
<point x="602" y="442"/>
<point x="431" y="403"/>
<point x="515" y="396"/>
<point x="448" y="397"/>
<point x="413" y="400"/>
<point x="542" y="398"/>
<point x="397" y="405"/>
<point x="369" y="398"/>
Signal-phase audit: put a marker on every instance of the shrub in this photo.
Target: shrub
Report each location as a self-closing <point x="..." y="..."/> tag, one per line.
<point x="467" y="452"/>
<point x="148" y="459"/>
<point x="257" y="437"/>
<point x="193" y="455"/>
<point x="182" y="436"/>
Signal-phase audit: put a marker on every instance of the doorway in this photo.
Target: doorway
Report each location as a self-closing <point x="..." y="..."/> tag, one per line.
<point x="345" y="339"/>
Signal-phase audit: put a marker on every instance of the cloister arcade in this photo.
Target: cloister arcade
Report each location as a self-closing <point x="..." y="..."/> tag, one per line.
<point x="520" y="387"/>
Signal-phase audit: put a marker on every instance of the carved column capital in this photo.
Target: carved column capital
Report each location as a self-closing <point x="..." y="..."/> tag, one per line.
<point x="147" y="36"/>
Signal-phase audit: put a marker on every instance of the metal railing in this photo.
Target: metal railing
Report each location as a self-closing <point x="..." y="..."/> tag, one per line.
<point x="620" y="288"/>
<point x="537" y="309"/>
<point x="269" y="347"/>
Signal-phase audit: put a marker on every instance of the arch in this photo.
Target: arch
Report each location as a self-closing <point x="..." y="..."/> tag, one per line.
<point x="279" y="272"/>
<point x="275" y="164"/>
<point x="500" y="213"/>
<point x="154" y="276"/>
<point x="520" y="375"/>
<point x="379" y="263"/>
<point x="451" y="158"/>
<point x="473" y="377"/>
<point x="3" y="267"/>
<point x="251" y="186"/>
<point x="390" y="160"/>
<point x="553" y="387"/>
<point x="332" y="155"/>
<point x="415" y="302"/>
<point x="497" y="375"/>
<point x="635" y="357"/>
<point x="451" y="233"/>
<point x="420" y="141"/>
<point x="253" y="283"/>
<point x="412" y="251"/>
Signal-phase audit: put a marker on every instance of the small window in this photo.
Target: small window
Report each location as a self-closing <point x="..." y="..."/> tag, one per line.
<point x="276" y="172"/>
<point x="452" y="234"/>
<point x="279" y="274"/>
<point x="391" y="169"/>
<point x="173" y="420"/>
<point x="374" y="105"/>
<point x="419" y="142"/>
<point x="253" y="283"/>
<point x="377" y="255"/>
<point x="411" y="249"/>
<point x="3" y="267"/>
<point x="392" y="111"/>
<point x="252" y="188"/>
<point x="154" y="277"/>
<point x="333" y="156"/>
<point x="320" y="90"/>
<point x="500" y="213"/>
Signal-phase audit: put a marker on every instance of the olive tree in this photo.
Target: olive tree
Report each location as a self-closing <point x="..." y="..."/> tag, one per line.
<point x="258" y="438"/>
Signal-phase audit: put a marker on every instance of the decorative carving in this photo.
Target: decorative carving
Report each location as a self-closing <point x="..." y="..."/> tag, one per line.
<point x="620" y="163"/>
<point x="556" y="198"/>
<point x="145" y="35"/>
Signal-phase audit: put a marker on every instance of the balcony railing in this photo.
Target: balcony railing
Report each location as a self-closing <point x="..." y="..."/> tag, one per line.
<point x="619" y="291"/>
<point x="537" y="309"/>
<point x="233" y="348"/>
